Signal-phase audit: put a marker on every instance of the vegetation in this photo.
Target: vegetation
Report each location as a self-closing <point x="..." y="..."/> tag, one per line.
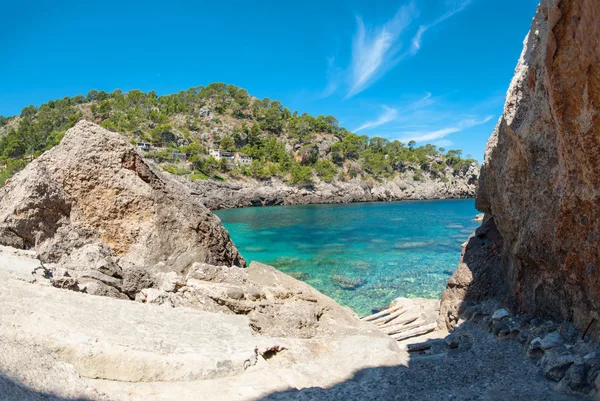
<point x="297" y="148"/>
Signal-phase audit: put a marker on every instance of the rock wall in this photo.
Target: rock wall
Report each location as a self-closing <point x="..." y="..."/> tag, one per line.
<point x="540" y="181"/>
<point x="227" y="195"/>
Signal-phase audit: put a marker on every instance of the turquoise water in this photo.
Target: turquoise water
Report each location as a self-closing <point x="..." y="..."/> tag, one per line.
<point x="363" y="255"/>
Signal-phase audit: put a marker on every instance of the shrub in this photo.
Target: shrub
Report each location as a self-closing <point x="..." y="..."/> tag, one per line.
<point x="325" y="170"/>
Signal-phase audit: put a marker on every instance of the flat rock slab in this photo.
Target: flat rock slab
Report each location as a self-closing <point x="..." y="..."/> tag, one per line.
<point x="63" y="344"/>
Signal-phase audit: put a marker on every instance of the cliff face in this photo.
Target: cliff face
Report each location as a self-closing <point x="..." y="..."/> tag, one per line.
<point x="540" y="182"/>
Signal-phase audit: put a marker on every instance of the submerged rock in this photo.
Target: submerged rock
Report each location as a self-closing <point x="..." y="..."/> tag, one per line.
<point x="348" y="283"/>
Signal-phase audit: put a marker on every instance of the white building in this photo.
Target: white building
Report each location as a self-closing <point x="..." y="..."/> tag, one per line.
<point x="144" y="147"/>
<point x="234" y="157"/>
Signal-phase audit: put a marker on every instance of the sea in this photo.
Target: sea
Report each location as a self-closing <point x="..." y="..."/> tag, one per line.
<point x="363" y="255"/>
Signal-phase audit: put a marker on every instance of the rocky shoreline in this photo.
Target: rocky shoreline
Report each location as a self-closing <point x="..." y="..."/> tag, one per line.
<point x="234" y="194"/>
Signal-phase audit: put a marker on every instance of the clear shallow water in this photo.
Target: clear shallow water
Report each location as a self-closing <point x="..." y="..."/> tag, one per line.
<point x="388" y="250"/>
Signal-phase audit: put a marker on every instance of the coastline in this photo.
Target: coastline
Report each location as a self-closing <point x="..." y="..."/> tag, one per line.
<point x="236" y="194"/>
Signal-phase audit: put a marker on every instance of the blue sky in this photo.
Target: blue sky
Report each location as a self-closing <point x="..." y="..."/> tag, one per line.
<point x="431" y="70"/>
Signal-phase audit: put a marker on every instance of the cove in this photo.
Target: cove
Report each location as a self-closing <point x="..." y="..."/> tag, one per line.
<point x="363" y="255"/>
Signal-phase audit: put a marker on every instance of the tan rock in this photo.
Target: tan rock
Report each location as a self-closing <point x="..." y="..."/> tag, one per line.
<point x="79" y="345"/>
<point x="93" y="204"/>
<point x="540" y="181"/>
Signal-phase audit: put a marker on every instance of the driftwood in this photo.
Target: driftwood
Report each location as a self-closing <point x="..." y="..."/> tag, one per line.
<point x="380" y="314"/>
<point x="414" y="332"/>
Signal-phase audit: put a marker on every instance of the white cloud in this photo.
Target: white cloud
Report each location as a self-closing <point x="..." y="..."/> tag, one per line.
<point x="374" y="50"/>
<point x="389" y="114"/>
<point x="334" y="75"/>
<point x="417" y="39"/>
<point x="443" y="143"/>
<point x="421" y="136"/>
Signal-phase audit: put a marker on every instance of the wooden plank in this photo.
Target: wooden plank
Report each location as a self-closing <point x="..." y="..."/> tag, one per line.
<point x="403" y="327"/>
<point x="380" y="314"/>
<point x="403" y="320"/>
<point x="415" y="332"/>
<point x="385" y="319"/>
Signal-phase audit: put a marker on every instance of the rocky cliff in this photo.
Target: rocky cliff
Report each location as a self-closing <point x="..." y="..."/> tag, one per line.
<point x="107" y="218"/>
<point x="231" y="194"/>
<point x="540" y="181"/>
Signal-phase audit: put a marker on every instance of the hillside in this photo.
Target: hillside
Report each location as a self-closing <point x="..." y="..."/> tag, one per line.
<point x="297" y="149"/>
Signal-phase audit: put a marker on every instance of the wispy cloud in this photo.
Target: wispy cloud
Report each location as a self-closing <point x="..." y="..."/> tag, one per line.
<point x="443" y="143"/>
<point x="377" y="49"/>
<point x="334" y="75"/>
<point x="423" y="136"/>
<point x="455" y="7"/>
<point x="374" y="50"/>
<point x="389" y="114"/>
<point x="392" y="114"/>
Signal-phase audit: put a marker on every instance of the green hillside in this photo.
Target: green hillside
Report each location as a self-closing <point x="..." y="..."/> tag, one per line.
<point x="297" y="148"/>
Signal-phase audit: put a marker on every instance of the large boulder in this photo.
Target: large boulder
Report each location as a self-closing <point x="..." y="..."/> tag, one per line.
<point x="106" y="218"/>
<point x="540" y="182"/>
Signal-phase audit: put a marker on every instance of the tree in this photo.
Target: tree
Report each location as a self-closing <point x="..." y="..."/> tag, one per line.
<point x="29" y="111"/>
<point x="254" y="136"/>
<point x="78" y="99"/>
<point x="411" y="145"/>
<point x="164" y="135"/>
<point x="325" y="170"/>
<point x="91" y="95"/>
<point x="454" y="153"/>
<point x="301" y="175"/>
<point x="377" y="144"/>
<point x="227" y="143"/>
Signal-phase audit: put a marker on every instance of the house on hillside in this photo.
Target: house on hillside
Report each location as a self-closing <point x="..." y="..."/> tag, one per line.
<point x="242" y="159"/>
<point x="234" y="157"/>
<point x="144" y="147"/>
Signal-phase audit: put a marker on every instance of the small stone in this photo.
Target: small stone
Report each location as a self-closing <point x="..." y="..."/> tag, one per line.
<point x="552" y="340"/>
<point x="535" y="348"/>
<point x="536" y="321"/>
<point x="254" y="293"/>
<point x="523" y="336"/>
<point x="452" y="340"/>
<point x="168" y="282"/>
<point x="575" y="381"/>
<point x="235" y="293"/>
<point x="501" y="329"/>
<point x="500" y="314"/>
<point x="556" y="362"/>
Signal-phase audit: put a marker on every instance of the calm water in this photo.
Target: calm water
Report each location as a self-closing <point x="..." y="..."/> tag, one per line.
<point x="363" y="255"/>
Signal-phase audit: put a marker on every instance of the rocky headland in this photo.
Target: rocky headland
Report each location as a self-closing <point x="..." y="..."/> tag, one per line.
<point x="241" y="193"/>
